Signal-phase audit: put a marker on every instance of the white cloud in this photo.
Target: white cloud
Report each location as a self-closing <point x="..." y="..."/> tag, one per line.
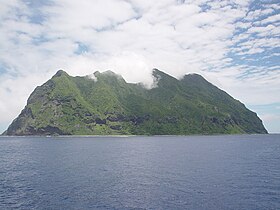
<point x="271" y="19"/>
<point x="257" y="14"/>
<point x="70" y="15"/>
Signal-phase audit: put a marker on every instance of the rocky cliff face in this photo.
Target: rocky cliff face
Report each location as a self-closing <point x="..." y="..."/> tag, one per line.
<point x="109" y="105"/>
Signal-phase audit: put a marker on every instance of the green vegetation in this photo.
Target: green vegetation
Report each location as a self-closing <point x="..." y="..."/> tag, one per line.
<point x="67" y="105"/>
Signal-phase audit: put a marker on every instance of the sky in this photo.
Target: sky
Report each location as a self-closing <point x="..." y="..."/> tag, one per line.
<point x="234" y="44"/>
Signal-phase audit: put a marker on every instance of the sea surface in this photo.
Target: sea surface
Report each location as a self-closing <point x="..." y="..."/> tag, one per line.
<point x="189" y="172"/>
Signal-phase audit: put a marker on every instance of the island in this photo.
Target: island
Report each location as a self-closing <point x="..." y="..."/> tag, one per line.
<point x="105" y="104"/>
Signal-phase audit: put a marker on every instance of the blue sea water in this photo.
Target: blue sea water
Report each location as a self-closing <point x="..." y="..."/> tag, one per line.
<point x="192" y="172"/>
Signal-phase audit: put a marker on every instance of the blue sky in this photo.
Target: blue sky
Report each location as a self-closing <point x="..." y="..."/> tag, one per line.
<point x="235" y="44"/>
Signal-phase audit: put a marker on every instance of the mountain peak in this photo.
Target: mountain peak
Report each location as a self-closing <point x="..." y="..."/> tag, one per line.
<point x="106" y="73"/>
<point x="157" y="72"/>
<point x="195" y="80"/>
<point x="108" y="76"/>
<point x="195" y="76"/>
<point x="109" y="72"/>
<point x="60" y="73"/>
<point x="162" y="75"/>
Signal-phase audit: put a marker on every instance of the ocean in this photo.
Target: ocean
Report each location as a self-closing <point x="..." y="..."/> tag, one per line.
<point x="159" y="172"/>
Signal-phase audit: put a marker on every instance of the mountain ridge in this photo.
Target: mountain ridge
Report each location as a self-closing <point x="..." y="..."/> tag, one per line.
<point x="108" y="105"/>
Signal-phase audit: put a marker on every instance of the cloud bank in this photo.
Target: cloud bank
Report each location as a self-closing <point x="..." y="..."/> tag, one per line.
<point x="233" y="43"/>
